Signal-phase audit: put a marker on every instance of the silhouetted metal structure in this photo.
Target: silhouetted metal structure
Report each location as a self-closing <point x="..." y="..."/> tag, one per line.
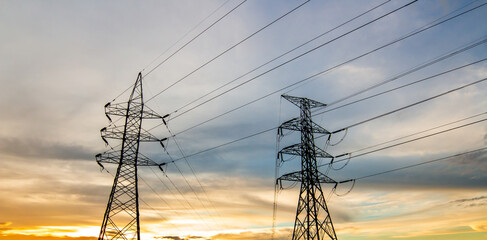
<point x="313" y="220"/>
<point x="121" y="219"/>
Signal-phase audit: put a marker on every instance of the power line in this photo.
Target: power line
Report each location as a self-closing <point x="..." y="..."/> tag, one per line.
<point x="130" y="87"/>
<point x="405" y="142"/>
<point x="224" y="144"/>
<point x="272" y="60"/>
<point x="344" y="63"/>
<point x="342" y="129"/>
<point x="227" y="50"/>
<point x="194" y="192"/>
<point x="140" y="198"/>
<point x="410" y="105"/>
<point x="412" y="32"/>
<point x="189" y="204"/>
<point x="182" y="37"/>
<point x="158" y="213"/>
<point x="405" y="85"/>
<point x="418" y="164"/>
<point x="192" y="171"/>
<point x="428" y="63"/>
<point x="420" y="132"/>
<point x="199" y="34"/>
<point x="294" y="58"/>
<point x="169" y="189"/>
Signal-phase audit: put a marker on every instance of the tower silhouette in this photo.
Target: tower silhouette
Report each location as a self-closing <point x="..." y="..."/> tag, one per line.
<point x="313" y="221"/>
<point x="121" y="219"/>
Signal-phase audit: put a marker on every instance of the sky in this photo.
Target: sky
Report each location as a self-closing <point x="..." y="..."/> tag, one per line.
<point x="62" y="61"/>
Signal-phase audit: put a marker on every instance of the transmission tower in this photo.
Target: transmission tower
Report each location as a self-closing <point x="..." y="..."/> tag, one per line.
<point x="313" y="220"/>
<point x="121" y="219"/>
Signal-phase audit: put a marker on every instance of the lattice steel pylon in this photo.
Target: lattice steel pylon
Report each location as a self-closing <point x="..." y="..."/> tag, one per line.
<point x="313" y="221"/>
<point x="121" y="219"/>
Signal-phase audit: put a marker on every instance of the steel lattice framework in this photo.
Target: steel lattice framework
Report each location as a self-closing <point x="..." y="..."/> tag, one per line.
<point x="121" y="219"/>
<point x="313" y="220"/>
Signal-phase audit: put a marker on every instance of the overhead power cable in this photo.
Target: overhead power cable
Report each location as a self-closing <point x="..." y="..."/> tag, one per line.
<point x="418" y="164"/>
<point x="193" y="172"/>
<point x="435" y="60"/>
<point x="224" y="144"/>
<point x="189" y="203"/>
<point x="417" y="133"/>
<point x="342" y="129"/>
<point x="227" y="50"/>
<point x="344" y="63"/>
<point x="192" y="39"/>
<point x="188" y="32"/>
<point x="148" y="205"/>
<point x="412" y="32"/>
<point x="194" y="192"/>
<point x="294" y="58"/>
<point x="170" y="191"/>
<point x="280" y="56"/>
<point x="405" y="142"/>
<point x="131" y="86"/>
<point x="410" y="105"/>
<point x="397" y="88"/>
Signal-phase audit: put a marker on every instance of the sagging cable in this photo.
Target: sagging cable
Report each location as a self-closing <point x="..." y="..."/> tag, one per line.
<point x="351" y="188"/>
<point x="344" y="165"/>
<point x="328" y="142"/>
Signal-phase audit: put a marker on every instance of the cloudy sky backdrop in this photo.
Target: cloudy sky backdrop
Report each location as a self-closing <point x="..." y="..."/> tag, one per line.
<point x="62" y="61"/>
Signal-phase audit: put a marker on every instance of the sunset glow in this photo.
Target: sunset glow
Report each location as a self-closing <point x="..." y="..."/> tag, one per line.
<point x="407" y="82"/>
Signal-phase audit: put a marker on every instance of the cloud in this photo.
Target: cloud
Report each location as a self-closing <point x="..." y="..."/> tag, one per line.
<point x="43" y="149"/>
<point x="472" y="202"/>
<point x="179" y="238"/>
<point x="35" y="237"/>
<point x="3" y="226"/>
<point x="480" y="227"/>
<point x="280" y="234"/>
<point x="472" y="162"/>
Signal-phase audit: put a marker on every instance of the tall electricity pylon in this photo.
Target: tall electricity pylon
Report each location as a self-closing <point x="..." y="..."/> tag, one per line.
<point x="313" y="220"/>
<point x="121" y="219"/>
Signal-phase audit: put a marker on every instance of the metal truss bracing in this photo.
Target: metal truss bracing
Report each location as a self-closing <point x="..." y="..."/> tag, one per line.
<point x="121" y="219"/>
<point x="313" y="220"/>
<point x="295" y="125"/>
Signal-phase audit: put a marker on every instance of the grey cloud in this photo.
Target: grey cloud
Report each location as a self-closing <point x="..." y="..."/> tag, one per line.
<point x="37" y="148"/>
<point x="472" y="202"/>
<point x="475" y="160"/>
<point x="469" y="199"/>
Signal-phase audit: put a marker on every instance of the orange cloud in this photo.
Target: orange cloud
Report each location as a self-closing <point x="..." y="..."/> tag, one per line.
<point x="34" y="237"/>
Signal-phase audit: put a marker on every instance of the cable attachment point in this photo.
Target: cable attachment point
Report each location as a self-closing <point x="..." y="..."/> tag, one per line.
<point x="328" y="141"/>
<point x="162" y="143"/>
<point x="279" y="132"/>
<point x="97" y="157"/>
<point x="102" y="136"/>
<point x="165" y="116"/>
<point x="160" y="167"/>
<point x="344" y="165"/>
<point x="106" y="112"/>
<point x="349" y="180"/>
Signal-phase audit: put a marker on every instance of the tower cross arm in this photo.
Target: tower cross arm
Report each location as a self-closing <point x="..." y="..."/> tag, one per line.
<point x="120" y="110"/>
<point x="298" y="177"/>
<point x="113" y="156"/>
<point x="117" y="132"/>
<point x="297" y="101"/>
<point x="295" y="125"/>
<point x="297" y="149"/>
